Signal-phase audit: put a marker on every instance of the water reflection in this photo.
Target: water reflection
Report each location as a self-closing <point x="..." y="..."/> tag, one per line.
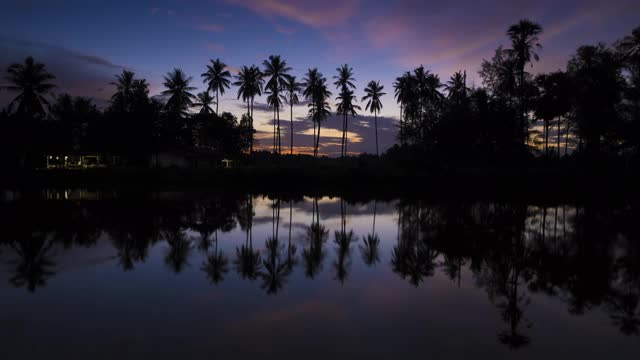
<point x="585" y="257"/>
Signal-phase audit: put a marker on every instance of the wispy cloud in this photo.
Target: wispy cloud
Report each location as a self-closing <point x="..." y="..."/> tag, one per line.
<point x="213" y="46"/>
<point x="211" y="27"/>
<point x="313" y="13"/>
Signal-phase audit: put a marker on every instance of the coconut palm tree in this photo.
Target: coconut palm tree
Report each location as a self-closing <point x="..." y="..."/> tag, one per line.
<point x="124" y="84"/>
<point x="250" y="84"/>
<point x="346" y="107"/>
<point x="31" y="81"/>
<point x="344" y="82"/>
<point x="218" y="78"/>
<point x="524" y="42"/>
<point x="629" y="47"/>
<point x="321" y="109"/>
<point x="456" y="87"/>
<point x="310" y="86"/>
<point x="293" y="88"/>
<point x="402" y="89"/>
<point x="277" y="70"/>
<point x="273" y="100"/>
<point x="374" y="105"/>
<point x="204" y="102"/>
<point x="179" y="92"/>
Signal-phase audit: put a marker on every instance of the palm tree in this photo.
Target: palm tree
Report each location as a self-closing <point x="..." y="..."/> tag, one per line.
<point x="374" y="93"/>
<point x="293" y="88"/>
<point x="346" y="107"/>
<point x="277" y="69"/>
<point x="402" y="89"/>
<point x="275" y="102"/>
<point x="524" y="43"/>
<point x="218" y="78"/>
<point x="456" y="87"/>
<point x="344" y="82"/>
<point x="204" y="102"/>
<point x="321" y="109"/>
<point x="124" y="84"/>
<point x="250" y="84"/>
<point x="310" y="87"/>
<point x="31" y="81"/>
<point x="178" y="91"/>
<point x="629" y="47"/>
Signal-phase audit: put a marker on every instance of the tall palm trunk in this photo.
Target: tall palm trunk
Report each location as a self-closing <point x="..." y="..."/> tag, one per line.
<point x="279" y="133"/>
<point x="318" y="141"/>
<point x="375" y="117"/>
<point x="291" y="129"/>
<point x="401" y="126"/>
<point x="251" y="124"/>
<point x="275" y="147"/>
<point x="523" y="126"/>
<point x="346" y="139"/>
<point x="218" y="100"/>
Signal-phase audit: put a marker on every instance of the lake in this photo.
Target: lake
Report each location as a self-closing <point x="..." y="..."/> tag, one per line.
<point x="196" y="274"/>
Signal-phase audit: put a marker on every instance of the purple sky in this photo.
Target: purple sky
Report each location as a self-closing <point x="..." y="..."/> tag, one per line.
<point x="84" y="43"/>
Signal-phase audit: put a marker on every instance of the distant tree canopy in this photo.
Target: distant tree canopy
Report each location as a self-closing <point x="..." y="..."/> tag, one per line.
<point x="589" y="110"/>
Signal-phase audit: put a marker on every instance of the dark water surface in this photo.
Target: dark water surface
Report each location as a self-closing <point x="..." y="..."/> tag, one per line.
<point x="102" y="275"/>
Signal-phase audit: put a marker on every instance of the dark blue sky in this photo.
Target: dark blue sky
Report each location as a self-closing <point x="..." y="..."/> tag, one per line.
<point x="86" y="42"/>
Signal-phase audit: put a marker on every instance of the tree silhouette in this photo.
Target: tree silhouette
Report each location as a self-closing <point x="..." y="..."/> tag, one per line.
<point x="402" y="91"/>
<point x="123" y="96"/>
<point x="217" y="78"/>
<point x="316" y="92"/>
<point x="178" y="90"/>
<point x="204" y="102"/>
<point x="345" y="107"/>
<point x="293" y="88"/>
<point x="374" y="93"/>
<point x="456" y="87"/>
<point x="524" y="43"/>
<point x="597" y="83"/>
<point x="277" y="71"/>
<point x="250" y="84"/>
<point x="31" y="81"/>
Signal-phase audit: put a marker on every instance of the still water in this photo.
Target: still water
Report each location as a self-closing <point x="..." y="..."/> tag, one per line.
<point x="176" y="275"/>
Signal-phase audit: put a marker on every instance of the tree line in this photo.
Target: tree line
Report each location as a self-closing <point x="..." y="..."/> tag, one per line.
<point x="593" y="106"/>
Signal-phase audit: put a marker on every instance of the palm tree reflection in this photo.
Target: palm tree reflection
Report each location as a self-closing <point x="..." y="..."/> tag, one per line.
<point x="313" y="255"/>
<point x="34" y="266"/>
<point x="369" y="249"/>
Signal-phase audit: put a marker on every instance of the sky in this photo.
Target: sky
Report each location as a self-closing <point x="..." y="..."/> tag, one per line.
<point x="85" y="43"/>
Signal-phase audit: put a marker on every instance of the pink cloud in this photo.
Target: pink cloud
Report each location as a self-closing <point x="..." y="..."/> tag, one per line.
<point x="211" y="27"/>
<point x="213" y="46"/>
<point x="319" y="14"/>
<point x="154" y="10"/>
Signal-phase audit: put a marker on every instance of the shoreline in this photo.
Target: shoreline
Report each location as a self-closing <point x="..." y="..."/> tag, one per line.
<point x="561" y="183"/>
